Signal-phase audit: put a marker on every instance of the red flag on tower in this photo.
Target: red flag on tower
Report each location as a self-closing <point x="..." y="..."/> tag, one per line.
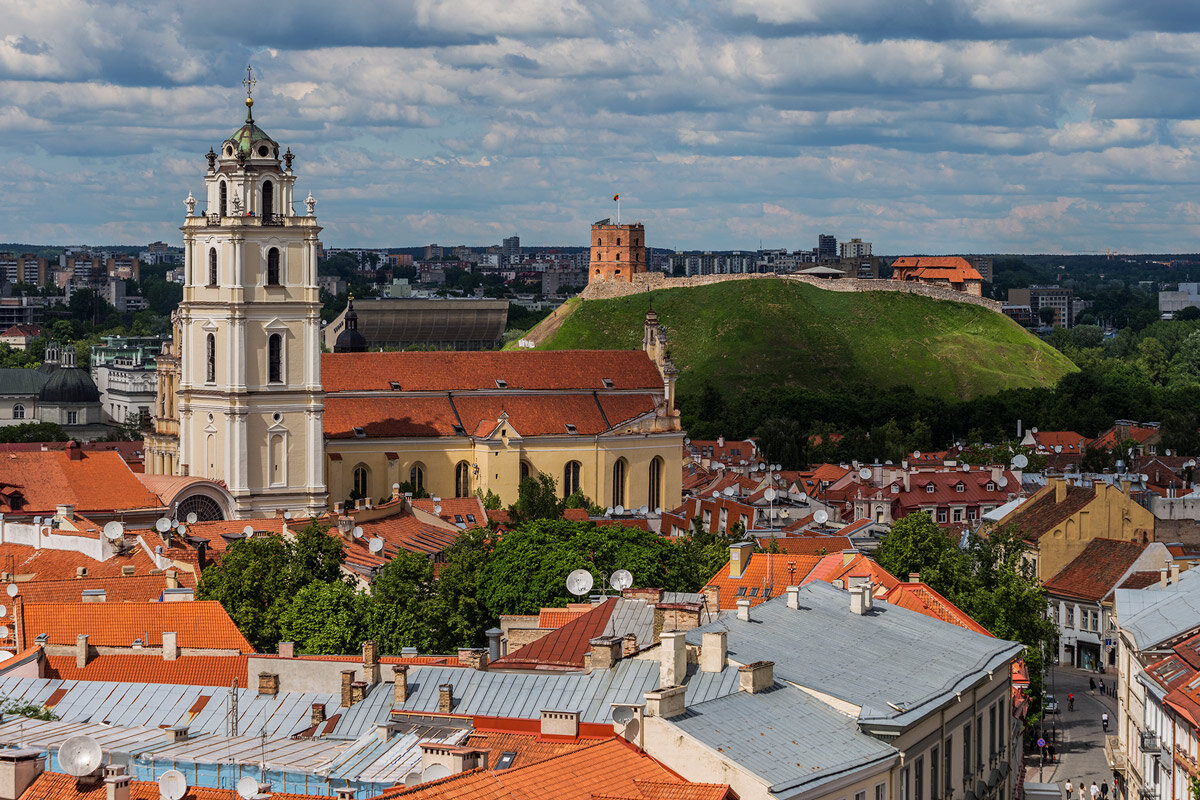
<point x="616" y="197"/>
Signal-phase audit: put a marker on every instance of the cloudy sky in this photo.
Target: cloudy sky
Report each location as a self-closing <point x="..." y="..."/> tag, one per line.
<point x="921" y="125"/>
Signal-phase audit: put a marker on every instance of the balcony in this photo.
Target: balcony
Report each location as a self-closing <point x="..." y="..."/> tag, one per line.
<point x="1148" y="793"/>
<point x="267" y="221"/>
<point x="1115" y="754"/>
<point x="1183" y="759"/>
<point x="1148" y="742"/>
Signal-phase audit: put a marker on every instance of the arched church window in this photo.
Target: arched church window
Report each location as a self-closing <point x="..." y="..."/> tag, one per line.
<point x="273" y="267"/>
<point x="654" y="481"/>
<point x="18" y="411"/>
<point x="210" y="370"/>
<point x="618" y="480"/>
<point x="526" y="470"/>
<point x="224" y="199"/>
<point x="278" y="460"/>
<point x="360" y="481"/>
<point x="268" y="199"/>
<point x="275" y="358"/>
<point x="570" y="478"/>
<point x="462" y="479"/>
<point x="618" y="241"/>
<point x="416" y="476"/>
<point x="212" y="266"/>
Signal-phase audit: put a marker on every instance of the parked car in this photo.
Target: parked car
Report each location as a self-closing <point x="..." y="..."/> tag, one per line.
<point x="1049" y="704"/>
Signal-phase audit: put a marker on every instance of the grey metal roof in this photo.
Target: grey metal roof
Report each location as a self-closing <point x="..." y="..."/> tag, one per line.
<point x="917" y="662"/>
<point x="22" y="381"/>
<point x="790" y="740"/>
<point x="632" y="616"/>
<point x="1156" y="614"/>
<point x="49" y="734"/>
<point x="363" y="716"/>
<point x="158" y="705"/>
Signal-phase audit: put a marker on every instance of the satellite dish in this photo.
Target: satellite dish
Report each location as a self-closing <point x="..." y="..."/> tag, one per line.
<point x="172" y="785"/>
<point x="916" y="453"/>
<point x="191" y="520"/>
<point x="729" y="491"/>
<point x="3" y="631"/>
<point x="162" y="525"/>
<point x="437" y="509"/>
<point x="864" y="473"/>
<point x="1168" y="452"/>
<point x="716" y="494"/>
<point x="247" y="787"/>
<point x="1058" y="448"/>
<point x="113" y="530"/>
<point x="435" y="772"/>
<point x="622" y="715"/>
<point x="1020" y="461"/>
<point x="658" y="510"/>
<point x="619" y="510"/>
<point x="174" y="522"/>
<point x="762" y="466"/>
<point x="80" y="755"/>
<point x="608" y="512"/>
<point x="376" y="545"/>
<point x="579" y="582"/>
<point x="181" y="529"/>
<point x="248" y="530"/>
<point x="286" y="515"/>
<point x="821" y="517"/>
<point x="3" y="610"/>
<point x="37" y="520"/>
<point x="412" y="779"/>
<point x="358" y="532"/>
<point x="621" y="579"/>
<point x="644" y="510"/>
<point x="770" y="494"/>
<point x="966" y="467"/>
<point x="12" y="590"/>
<point x="1002" y="482"/>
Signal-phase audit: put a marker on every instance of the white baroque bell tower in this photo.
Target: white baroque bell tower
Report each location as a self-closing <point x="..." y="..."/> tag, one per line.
<point x="250" y="400"/>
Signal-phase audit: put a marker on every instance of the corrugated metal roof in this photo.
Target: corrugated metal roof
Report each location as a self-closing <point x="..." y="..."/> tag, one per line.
<point x="1155" y="615"/>
<point x="809" y="647"/>
<point x="632" y="616"/>
<point x="786" y="737"/>
<point x="155" y="705"/>
<point x="372" y="710"/>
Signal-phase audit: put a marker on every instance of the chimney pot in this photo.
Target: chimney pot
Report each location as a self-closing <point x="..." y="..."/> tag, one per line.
<point x="287" y="649"/>
<point x="743" y="609"/>
<point x="81" y="651"/>
<point x="347" y="680"/>
<point x="445" y="698"/>
<point x="713" y="651"/>
<point x="400" y="684"/>
<point x="605" y="651"/>
<point x="672" y="666"/>
<point x="755" y="677"/>
<point x="170" y="640"/>
<point x="914" y="577"/>
<point x="18" y="770"/>
<point x="493" y="636"/>
<point x="268" y="683"/>
<point x="1174" y="571"/>
<point x="793" y="597"/>
<point x="318" y="713"/>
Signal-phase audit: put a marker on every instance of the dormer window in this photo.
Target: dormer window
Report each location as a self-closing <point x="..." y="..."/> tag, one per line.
<point x="895" y="488"/>
<point x="359" y="432"/>
<point x="459" y="430"/>
<point x="991" y="487"/>
<point x="959" y="487"/>
<point x="571" y="428"/>
<point x="607" y="383"/>
<point x="929" y="488"/>
<point x="501" y="383"/>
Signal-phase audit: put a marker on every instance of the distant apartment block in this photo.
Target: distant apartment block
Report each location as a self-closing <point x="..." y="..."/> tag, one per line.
<point x="1035" y="298"/>
<point x="982" y="265"/>
<point x="1171" y="303"/>
<point x="24" y="268"/>
<point x="618" y="251"/>
<point x="397" y="260"/>
<point x="433" y="252"/>
<point x="827" y="247"/>
<point x="511" y="247"/>
<point x="855" y="248"/>
<point x="558" y="281"/>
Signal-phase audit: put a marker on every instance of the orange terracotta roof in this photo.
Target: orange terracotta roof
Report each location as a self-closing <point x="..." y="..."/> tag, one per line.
<point x="466" y="511"/>
<point x="806" y="545"/>
<point x="137" y="668"/>
<point x="198" y="624"/>
<point x="776" y="572"/>
<point x="529" y="748"/>
<point x="924" y="599"/>
<point x="1140" y="580"/>
<point x="95" y="482"/>
<point x="835" y="567"/>
<point x="479" y="370"/>
<point x="657" y="790"/>
<point x="223" y="532"/>
<point x="1094" y="573"/>
<point x="123" y="589"/>
<point x="57" y="786"/>
<point x="953" y="268"/>
<point x="557" y="617"/>
<point x="28" y="563"/>
<point x="563" y="647"/>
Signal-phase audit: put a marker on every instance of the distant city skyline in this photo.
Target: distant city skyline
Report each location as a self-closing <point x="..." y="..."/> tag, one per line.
<point x="944" y="127"/>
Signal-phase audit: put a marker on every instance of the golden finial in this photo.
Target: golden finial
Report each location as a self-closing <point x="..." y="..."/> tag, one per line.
<point x="249" y="84"/>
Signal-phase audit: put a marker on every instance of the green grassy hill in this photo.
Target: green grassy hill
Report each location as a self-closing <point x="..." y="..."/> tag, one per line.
<point x="774" y="332"/>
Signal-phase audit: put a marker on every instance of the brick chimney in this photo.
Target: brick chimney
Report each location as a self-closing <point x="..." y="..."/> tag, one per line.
<point x="400" y="684"/>
<point x="370" y="652"/>
<point x="287" y="649"/>
<point x="712" y="598"/>
<point x="268" y="683"/>
<point x="318" y="713"/>
<point x="629" y="645"/>
<point x="445" y="698"/>
<point x="473" y="657"/>
<point x="347" y="679"/>
<point x="345" y="526"/>
<point x="605" y="651"/>
<point x="358" y="691"/>
<point x="914" y="577"/>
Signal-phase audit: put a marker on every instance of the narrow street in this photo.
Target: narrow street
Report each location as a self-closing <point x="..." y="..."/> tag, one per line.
<point x="1078" y="735"/>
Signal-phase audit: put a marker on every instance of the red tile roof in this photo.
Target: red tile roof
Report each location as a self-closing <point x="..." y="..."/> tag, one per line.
<point x="95" y="482"/>
<point x="1139" y="433"/>
<point x="565" y="647"/>
<point x="952" y="268"/>
<point x="552" y="618"/>
<point x="858" y="568"/>
<point x="529" y="748"/>
<point x="1069" y="441"/>
<point x="57" y="786"/>
<point x="815" y="545"/>
<point x="457" y="510"/>
<point x="1040" y="514"/>
<point x="198" y="624"/>
<point x="136" y="668"/>
<point x="479" y="370"/>
<point x="28" y="563"/>
<point x="123" y="589"/>
<point x="1094" y="573"/>
<point x="1140" y="580"/>
<point x="765" y="576"/>
<point x="924" y="599"/>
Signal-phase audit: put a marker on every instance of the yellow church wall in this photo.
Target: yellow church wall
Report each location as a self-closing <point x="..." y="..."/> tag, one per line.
<point x="1112" y="514"/>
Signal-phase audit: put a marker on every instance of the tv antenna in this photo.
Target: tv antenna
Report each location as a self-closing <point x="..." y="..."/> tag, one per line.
<point x="620" y="580"/>
<point x="579" y="582"/>
<point x="80" y="756"/>
<point x="172" y="785"/>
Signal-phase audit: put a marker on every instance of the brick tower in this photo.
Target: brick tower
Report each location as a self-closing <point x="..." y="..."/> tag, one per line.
<point x="618" y="251"/>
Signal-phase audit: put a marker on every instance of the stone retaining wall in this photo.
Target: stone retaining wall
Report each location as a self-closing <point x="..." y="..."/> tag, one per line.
<point x="648" y="281"/>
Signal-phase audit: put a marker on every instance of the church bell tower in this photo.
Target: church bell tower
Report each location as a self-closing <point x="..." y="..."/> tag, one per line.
<point x="250" y="400"/>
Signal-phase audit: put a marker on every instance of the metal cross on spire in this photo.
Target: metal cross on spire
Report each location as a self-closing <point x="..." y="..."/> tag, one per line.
<point x="249" y="81"/>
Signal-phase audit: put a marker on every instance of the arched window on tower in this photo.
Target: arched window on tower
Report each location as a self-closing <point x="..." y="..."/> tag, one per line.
<point x="618" y="482"/>
<point x="416" y="476"/>
<point x="570" y="478"/>
<point x="273" y="267"/>
<point x="275" y="358"/>
<point x="18" y="411"/>
<point x="268" y="201"/>
<point x="278" y="460"/>
<point x="462" y="479"/>
<point x="212" y="266"/>
<point x="654" y="483"/>
<point x="210" y="364"/>
<point x="360" y="482"/>
<point x="224" y="199"/>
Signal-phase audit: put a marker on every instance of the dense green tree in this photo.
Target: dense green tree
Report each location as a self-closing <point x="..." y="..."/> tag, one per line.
<point x="537" y="498"/>
<point x="402" y="612"/>
<point x="782" y="441"/>
<point x="325" y="619"/>
<point x="464" y="617"/>
<point x="33" y="432"/>
<point x="916" y="544"/>
<point x="1187" y="314"/>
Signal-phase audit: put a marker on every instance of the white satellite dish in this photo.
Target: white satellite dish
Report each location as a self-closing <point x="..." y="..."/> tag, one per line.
<point x="864" y="473"/>
<point x="412" y="779"/>
<point x="622" y="715"/>
<point x="248" y="530"/>
<point x="376" y="545"/>
<point x="3" y="631"/>
<point x="3" y="610"/>
<point x="12" y="590"/>
<point x="770" y="494"/>
<point x="1168" y="452"/>
<point x="435" y="772"/>
<point x="608" y="511"/>
<point x="916" y="453"/>
<point x="762" y="466"/>
<point x="181" y="529"/>
<point x="658" y="510"/>
<point x="191" y="520"/>
<point x="113" y="530"/>
<point x="716" y="494"/>
<point x="1058" y="448"/>
<point x="621" y="579"/>
<point x="162" y="525"/>
<point x="358" y="532"/>
<point x="437" y="509"/>
<point x="579" y="582"/>
<point x="287" y="515"/>
<point x="729" y="490"/>
<point x="247" y="787"/>
<point x="966" y="467"/>
<point x="1020" y="461"/>
<point x="174" y="522"/>
<point x="1002" y="482"/>
<point x="821" y="517"/>
<point x="644" y="510"/>
<point x="619" y="510"/>
<point x="80" y="755"/>
<point x="172" y="785"/>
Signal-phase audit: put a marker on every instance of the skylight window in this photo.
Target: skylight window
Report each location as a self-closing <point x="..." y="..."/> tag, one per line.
<point x="571" y="428"/>
<point x="608" y="384"/>
<point x="471" y="518"/>
<point x="359" y="432"/>
<point x="394" y="384"/>
<point x="741" y="592"/>
<point x="501" y="383"/>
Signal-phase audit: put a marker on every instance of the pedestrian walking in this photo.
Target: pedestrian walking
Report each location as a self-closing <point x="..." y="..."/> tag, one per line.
<point x="1050" y="747"/>
<point x="1095" y="791"/>
<point x="1071" y="702"/>
<point x="1104" y="791"/>
<point x="1070" y="790"/>
<point x="1091" y="686"/>
<point x="1082" y="791"/>
<point x="1104" y="721"/>
<point x="1102" y="686"/>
